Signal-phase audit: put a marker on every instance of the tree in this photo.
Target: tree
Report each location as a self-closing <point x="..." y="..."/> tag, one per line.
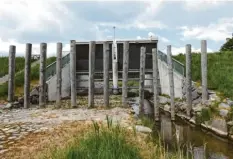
<point x="228" y="46"/>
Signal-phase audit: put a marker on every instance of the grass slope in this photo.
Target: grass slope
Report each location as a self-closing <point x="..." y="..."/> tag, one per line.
<point x="19" y="79"/>
<point x="19" y="61"/>
<point x="220" y="71"/>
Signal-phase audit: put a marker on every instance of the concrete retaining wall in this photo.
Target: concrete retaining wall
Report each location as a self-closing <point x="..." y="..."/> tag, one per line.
<point x="52" y="84"/>
<point x="164" y="80"/>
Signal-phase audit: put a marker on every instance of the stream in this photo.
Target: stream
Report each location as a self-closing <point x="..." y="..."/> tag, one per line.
<point x="201" y="144"/>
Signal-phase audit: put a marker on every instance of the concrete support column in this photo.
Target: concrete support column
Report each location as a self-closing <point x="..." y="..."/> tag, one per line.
<point x="11" y="73"/>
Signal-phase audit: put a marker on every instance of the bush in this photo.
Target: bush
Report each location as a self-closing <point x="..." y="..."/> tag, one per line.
<point x="228" y="46"/>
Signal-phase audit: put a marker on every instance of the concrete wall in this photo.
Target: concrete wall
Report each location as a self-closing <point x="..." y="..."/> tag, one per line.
<point x="163" y="74"/>
<point x="52" y="84"/>
<point x="164" y="80"/>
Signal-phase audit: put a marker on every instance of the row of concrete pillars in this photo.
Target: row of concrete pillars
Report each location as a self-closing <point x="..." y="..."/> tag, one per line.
<point x="106" y="52"/>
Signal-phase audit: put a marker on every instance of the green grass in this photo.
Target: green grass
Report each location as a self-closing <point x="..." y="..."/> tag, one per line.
<point x="19" y="61"/>
<point x="19" y="78"/>
<point x="110" y="140"/>
<point x="220" y="70"/>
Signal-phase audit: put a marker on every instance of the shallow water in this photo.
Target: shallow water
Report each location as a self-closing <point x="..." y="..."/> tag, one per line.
<point x="201" y="144"/>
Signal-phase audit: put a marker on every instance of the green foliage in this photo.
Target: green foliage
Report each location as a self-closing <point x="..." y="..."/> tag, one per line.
<point x="220" y="70"/>
<point x="19" y="61"/>
<point x="228" y="46"/>
<point x="102" y="143"/>
<point x="19" y="78"/>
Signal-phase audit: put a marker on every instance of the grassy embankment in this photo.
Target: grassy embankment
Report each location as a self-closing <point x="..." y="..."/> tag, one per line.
<point x="19" y="78"/>
<point x="220" y="70"/>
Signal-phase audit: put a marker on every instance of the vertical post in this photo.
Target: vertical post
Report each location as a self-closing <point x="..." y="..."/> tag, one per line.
<point x="59" y="74"/>
<point x="27" y="72"/>
<point x="142" y="78"/>
<point x="43" y="51"/>
<point x="106" y="73"/>
<point x="204" y="71"/>
<point x="91" y="73"/>
<point x="11" y="72"/>
<point x="155" y="84"/>
<point x="188" y="79"/>
<point x="73" y="73"/>
<point x="115" y="67"/>
<point x="125" y="73"/>
<point x="171" y="81"/>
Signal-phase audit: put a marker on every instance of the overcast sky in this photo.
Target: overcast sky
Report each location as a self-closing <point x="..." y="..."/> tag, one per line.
<point x="175" y="23"/>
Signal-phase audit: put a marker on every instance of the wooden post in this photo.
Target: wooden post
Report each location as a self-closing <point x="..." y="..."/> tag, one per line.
<point x="142" y="78"/>
<point x="43" y="51"/>
<point x="73" y="73"/>
<point x="59" y="74"/>
<point x="125" y="73"/>
<point x="204" y="71"/>
<point x="27" y="73"/>
<point x="171" y="81"/>
<point x="156" y="84"/>
<point x="91" y="73"/>
<point x="106" y="73"/>
<point x="188" y="79"/>
<point x="11" y="74"/>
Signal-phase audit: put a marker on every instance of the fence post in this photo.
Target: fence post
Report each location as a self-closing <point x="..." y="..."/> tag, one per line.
<point x="155" y="84"/>
<point x="73" y="73"/>
<point x="125" y="73"/>
<point x="59" y="74"/>
<point x="204" y="71"/>
<point x="188" y="79"/>
<point x="11" y="72"/>
<point x="91" y="73"/>
<point x="43" y="51"/>
<point x="142" y="78"/>
<point x="27" y="73"/>
<point x="106" y="73"/>
<point x="171" y="81"/>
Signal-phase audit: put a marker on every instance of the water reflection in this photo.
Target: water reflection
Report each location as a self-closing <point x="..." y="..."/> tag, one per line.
<point x="193" y="141"/>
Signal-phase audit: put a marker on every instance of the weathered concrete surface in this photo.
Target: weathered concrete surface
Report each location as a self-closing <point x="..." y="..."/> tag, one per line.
<point x="65" y="84"/>
<point x="164" y="80"/>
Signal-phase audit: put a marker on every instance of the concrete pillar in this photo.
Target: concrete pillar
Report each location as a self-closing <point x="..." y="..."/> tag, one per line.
<point x="106" y="73"/>
<point x="171" y="81"/>
<point x="125" y="73"/>
<point x="155" y="84"/>
<point x="204" y="71"/>
<point x="42" y="98"/>
<point x="73" y="73"/>
<point x="115" y="67"/>
<point x="59" y="74"/>
<point x="11" y="73"/>
<point x="27" y="73"/>
<point x="142" y="79"/>
<point x="188" y="79"/>
<point x="91" y="73"/>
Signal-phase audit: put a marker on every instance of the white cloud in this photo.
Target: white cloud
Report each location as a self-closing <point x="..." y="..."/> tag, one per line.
<point x="197" y="5"/>
<point x="20" y="48"/>
<point x="215" y="31"/>
<point x="35" y="16"/>
<point x="178" y="50"/>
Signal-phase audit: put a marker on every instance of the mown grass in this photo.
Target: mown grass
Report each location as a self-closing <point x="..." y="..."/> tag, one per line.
<point x="4" y="64"/>
<point x="220" y="70"/>
<point x="19" y="78"/>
